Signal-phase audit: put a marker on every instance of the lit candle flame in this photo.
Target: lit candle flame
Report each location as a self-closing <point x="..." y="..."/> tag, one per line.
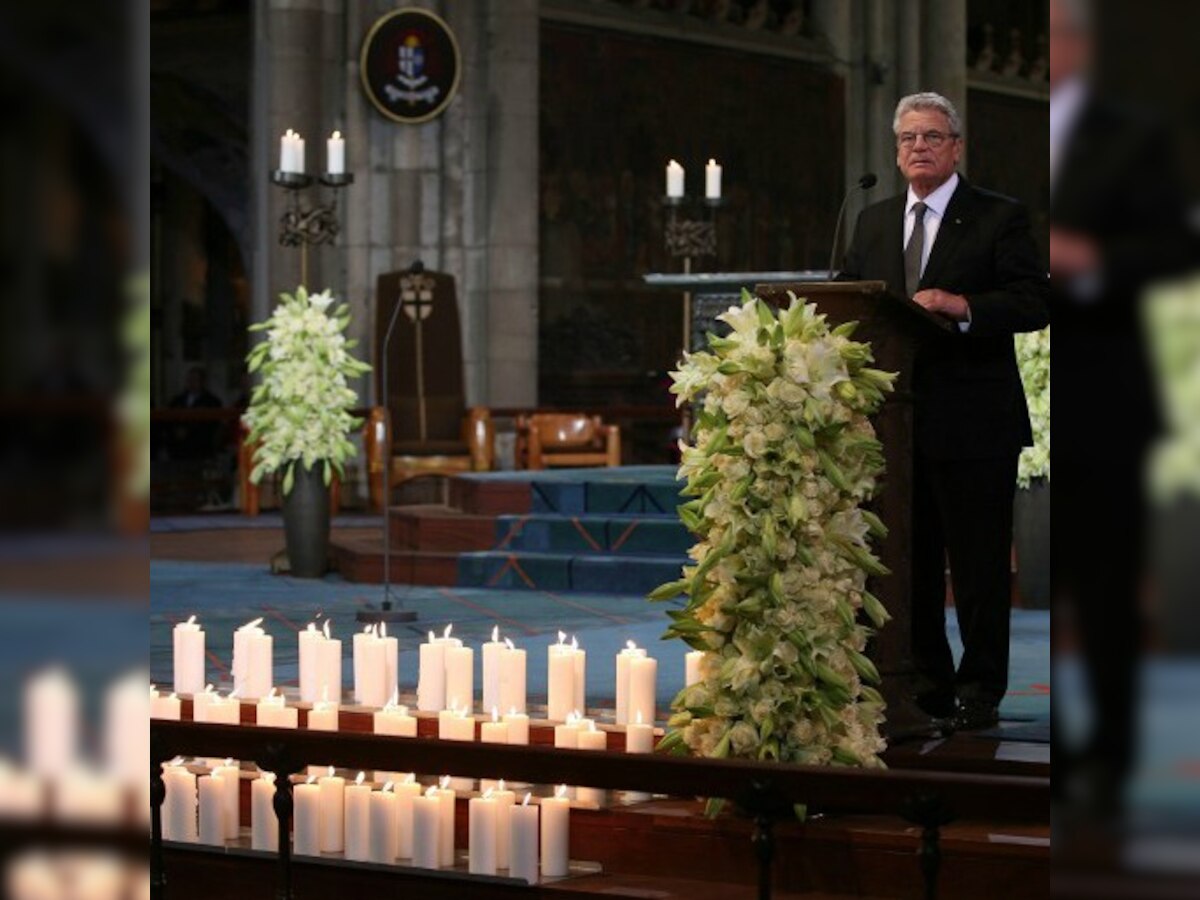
<point x="229" y="761"/>
<point x="431" y="791"/>
<point x="560" y="791"/>
<point x="311" y="779"/>
<point x="446" y="633"/>
<point x="253" y="624"/>
<point x="444" y="783"/>
<point x="191" y="620"/>
<point x="383" y="629"/>
<point x="495" y="634"/>
<point x="177" y="761"/>
<point x="508" y="643"/>
<point x="312" y="626"/>
<point x="325" y="628"/>
<point x="337" y="134"/>
<point x="361" y="777"/>
<point x="395" y="699"/>
<point x="487" y="795"/>
<point x="630" y="645"/>
<point x="574" y="642"/>
<point x="525" y="802"/>
<point x="431" y="637"/>
<point x="173" y="696"/>
<point x="561" y="637"/>
<point x="331" y="771"/>
<point x="410" y="778"/>
<point x="233" y="695"/>
<point x="153" y="689"/>
<point x="268" y="776"/>
<point x="501" y="787"/>
<point x="387" y="787"/>
<point x="208" y="689"/>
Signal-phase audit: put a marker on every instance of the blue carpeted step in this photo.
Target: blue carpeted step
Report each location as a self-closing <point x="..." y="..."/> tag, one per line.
<point x="603" y="573"/>
<point x="608" y="495"/>
<point x="638" y="535"/>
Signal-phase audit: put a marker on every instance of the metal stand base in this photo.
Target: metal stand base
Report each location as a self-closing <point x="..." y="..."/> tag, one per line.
<point x="375" y="616"/>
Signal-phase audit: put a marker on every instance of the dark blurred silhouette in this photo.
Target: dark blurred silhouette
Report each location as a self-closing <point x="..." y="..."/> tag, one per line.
<point x="1117" y="221"/>
<point x="194" y="440"/>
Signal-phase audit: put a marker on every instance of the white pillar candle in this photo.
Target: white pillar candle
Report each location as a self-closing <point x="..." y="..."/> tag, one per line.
<point x="427" y="830"/>
<point x="51" y="722"/>
<point x="358" y="819"/>
<point x="285" y="151"/>
<point x="272" y="711"/>
<point x="643" y="680"/>
<point x="630" y="651"/>
<point x="580" y="677"/>
<point x="712" y="180"/>
<point x="460" y="677"/>
<point x="382" y="827"/>
<point x="307" y="642"/>
<point x="231" y="774"/>
<point x="212" y="810"/>
<point x="493" y="655"/>
<point x="252" y="661"/>
<point x="126" y="749"/>
<point x="333" y="812"/>
<point x="674" y="179"/>
<point x="566" y="735"/>
<point x="560" y="680"/>
<point x="188" y="657"/>
<point x="556" y="833"/>
<point x="481" y="835"/>
<point x="692" y="667"/>
<point x="329" y="668"/>
<point x="395" y="719"/>
<point x="200" y="703"/>
<point x="591" y="738"/>
<point x="307" y="818"/>
<point x="323" y="716"/>
<point x="335" y="154"/>
<point x="360" y="661"/>
<point x="639" y="738"/>
<point x="518" y="727"/>
<point x="264" y="826"/>
<point x="456" y="725"/>
<point x="407" y="790"/>
<point x="179" y="806"/>
<point x="493" y="732"/>
<point x="446" y="805"/>
<point x="85" y="794"/>
<point x="523" y="846"/>
<point x="370" y="676"/>
<point x="431" y="681"/>
<point x="169" y="707"/>
<point x="512" y="678"/>
<point x="391" y="662"/>
<point x="504" y="805"/>
<point x="23" y="795"/>
<point x="223" y="710"/>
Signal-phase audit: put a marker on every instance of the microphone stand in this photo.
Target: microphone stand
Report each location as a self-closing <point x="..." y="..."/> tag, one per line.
<point x="866" y="182"/>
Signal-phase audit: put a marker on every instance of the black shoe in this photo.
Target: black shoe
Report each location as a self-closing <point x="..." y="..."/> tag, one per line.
<point x="936" y="706"/>
<point x="975" y="716"/>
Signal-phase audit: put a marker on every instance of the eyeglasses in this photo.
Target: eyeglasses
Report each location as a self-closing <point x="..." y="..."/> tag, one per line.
<point x="933" y="139"/>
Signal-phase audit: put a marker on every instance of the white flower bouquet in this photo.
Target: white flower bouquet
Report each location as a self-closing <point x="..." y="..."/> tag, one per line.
<point x="301" y="410"/>
<point x="1172" y="319"/>
<point x="782" y="461"/>
<point x="1033" y="360"/>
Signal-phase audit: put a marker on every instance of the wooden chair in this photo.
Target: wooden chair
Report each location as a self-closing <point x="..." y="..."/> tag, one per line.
<point x="546" y="440"/>
<point x="428" y="429"/>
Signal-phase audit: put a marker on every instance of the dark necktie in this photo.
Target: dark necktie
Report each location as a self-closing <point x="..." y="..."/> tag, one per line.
<point x="914" y="250"/>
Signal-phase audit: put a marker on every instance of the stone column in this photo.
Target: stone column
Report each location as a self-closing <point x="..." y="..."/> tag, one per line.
<point x="944" y="53"/>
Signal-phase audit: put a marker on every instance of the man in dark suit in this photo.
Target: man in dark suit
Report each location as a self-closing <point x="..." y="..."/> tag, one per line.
<point x="966" y="254"/>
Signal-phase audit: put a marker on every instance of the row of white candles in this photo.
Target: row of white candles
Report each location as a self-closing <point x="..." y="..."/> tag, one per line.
<point x="402" y="820"/>
<point x="712" y="180"/>
<point x="446" y="674"/>
<point x="291" y="153"/>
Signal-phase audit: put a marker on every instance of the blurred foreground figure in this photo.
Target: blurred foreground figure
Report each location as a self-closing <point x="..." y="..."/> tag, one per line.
<point x="1117" y="222"/>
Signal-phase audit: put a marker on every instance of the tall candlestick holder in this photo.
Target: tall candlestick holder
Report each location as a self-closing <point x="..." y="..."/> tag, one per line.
<point x="312" y="226"/>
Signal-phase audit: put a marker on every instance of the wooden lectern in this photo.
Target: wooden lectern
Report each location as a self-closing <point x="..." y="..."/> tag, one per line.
<point x="895" y="327"/>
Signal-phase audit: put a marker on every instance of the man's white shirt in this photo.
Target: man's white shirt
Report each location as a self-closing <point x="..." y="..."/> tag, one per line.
<point x="935" y="210"/>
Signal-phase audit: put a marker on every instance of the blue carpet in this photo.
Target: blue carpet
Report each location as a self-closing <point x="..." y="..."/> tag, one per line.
<point x="236" y="521"/>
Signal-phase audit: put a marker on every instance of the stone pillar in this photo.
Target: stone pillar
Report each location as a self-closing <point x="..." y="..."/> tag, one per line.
<point x="944" y="53"/>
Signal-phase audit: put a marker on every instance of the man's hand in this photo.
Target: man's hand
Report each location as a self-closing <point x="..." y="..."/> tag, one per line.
<point x="952" y="306"/>
<point x="1072" y="253"/>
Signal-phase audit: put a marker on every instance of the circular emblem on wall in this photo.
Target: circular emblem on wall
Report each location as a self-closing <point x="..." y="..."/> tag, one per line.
<point x="410" y="65"/>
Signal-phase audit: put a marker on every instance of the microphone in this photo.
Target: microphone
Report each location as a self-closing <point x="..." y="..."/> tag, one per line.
<point x="865" y="183"/>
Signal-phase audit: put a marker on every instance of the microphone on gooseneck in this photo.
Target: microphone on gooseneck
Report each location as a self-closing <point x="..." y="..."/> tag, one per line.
<point x="865" y="183"/>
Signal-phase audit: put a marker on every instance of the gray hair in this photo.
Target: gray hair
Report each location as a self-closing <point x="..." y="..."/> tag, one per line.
<point x="927" y="100"/>
<point x="1079" y="13"/>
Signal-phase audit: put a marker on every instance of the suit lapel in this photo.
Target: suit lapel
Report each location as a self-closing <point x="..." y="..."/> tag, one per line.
<point x="950" y="232"/>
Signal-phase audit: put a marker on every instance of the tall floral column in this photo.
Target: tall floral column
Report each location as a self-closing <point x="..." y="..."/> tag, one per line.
<point x="1031" y="510"/>
<point x="782" y="462"/>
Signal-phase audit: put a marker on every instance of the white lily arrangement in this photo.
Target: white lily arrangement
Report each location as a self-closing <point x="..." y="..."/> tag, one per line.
<point x="1033" y="360"/>
<point x="301" y="410"/>
<point x="782" y="461"/>
<point x="1172" y="316"/>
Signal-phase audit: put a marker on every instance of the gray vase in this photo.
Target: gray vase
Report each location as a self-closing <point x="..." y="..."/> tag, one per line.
<point x="1031" y="537"/>
<point x="306" y="522"/>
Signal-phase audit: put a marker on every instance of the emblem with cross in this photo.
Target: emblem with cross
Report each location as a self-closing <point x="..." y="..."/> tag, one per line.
<point x="416" y="299"/>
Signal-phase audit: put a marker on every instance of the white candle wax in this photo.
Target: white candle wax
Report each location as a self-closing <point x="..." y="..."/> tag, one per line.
<point x="567" y="734"/>
<point x="523" y="847"/>
<point x="560" y="681"/>
<point x="370" y="684"/>
<point x="643" y="676"/>
<point x="395" y="720"/>
<point x="359" y="659"/>
<point x="427" y="830"/>
<point x="556" y="831"/>
<point x="692" y="667"/>
<point x="188" y="657"/>
<point x="273" y="712"/>
<point x="674" y="179"/>
<point x="391" y="663"/>
<point x="712" y="180"/>
<point x="591" y="739"/>
<point x="333" y="812"/>
<point x="252" y="661"/>
<point x="493" y="732"/>
<point x="22" y="794"/>
<point x="323" y="717"/>
<point x="335" y="154"/>
<point x="505" y="799"/>
<point x="307" y="818"/>
<point x="126" y="749"/>
<point x="51" y="722"/>
<point x="512" y="678"/>
<point x="212" y="809"/>
<point x="88" y="795"/>
<point x="493" y="654"/>
<point x="179" y="805"/>
<point x="518" y="727"/>
<point x="230" y="775"/>
<point x="639" y="738"/>
<point x="307" y="642"/>
<point x="455" y="725"/>
<point x="622" y="688"/>
<point x="382" y="828"/>
<point x="264" y="826"/>
<point x="580" y="702"/>
<point x="329" y="670"/>
<point x="431" y="680"/>
<point x="358" y="819"/>
<point x="169" y="707"/>
<point x="460" y="677"/>
<point x="285" y="151"/>
<point x="446" y="801"/>
<point x="407" y="790"/>
<point x="223" y="710"/>
<point x="201" y="702"/>
<point x="481" y="835"/>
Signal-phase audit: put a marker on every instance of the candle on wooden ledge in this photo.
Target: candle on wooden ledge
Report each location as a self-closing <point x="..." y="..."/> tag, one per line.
<point x="712" y="180"/>
<point x="674" y="179"/>
<point x="264" y="826"/>
<point x="643" y="681"/>
<point x="493" y="732"/>
<point x="333" y="812"/>
<point x="51" y="722"/>
<point x="512" y="677"/>
<point x="523" y="846"/>
<point x="358" y="819"/>
<point x="481" y="834"/>
<point x="231" y="774"/>
<point x="272" y="711"/>
<point x="591" y="738"/>
<point x="692" y="662"/>
<point x="328" y="667"/>
<point x="88" y="795"/>
<point x="431" y="679"/>
<point x="518" y="727"/>
<point x="224" y="710"/>
<point x="200" y="703"/>
<point x="323" y="716"/>
<point x="23" y="794"/>
<point x="391" y="662"/>
<point x="566" y="669"/>
<point x="556" y="833"/>
<point x="370" y="668"/>
<point x="407" y="790"/>
<point x="639" y="738"/>
<point x="179" y="805"/>
<point x="212" y="809"/>
<point x="427" y="830"/>
<point x="169" y="707"/>
<point x="566" y="735"/>
<point x="126" y="710"/>
<point x="492" y="655"/>
<point x="307" y="817"/>
<point x="253" y="657"/>
<point x="505" y="799"/>
<point x="383" y="826"/>
<point x="335" y="154"/>
<point x="446" y="800"/>
<point x="630" y="651"/>
<point x="455" y="724"/>
<point x="460" y="677"/>
<point x="188" y="657"/>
